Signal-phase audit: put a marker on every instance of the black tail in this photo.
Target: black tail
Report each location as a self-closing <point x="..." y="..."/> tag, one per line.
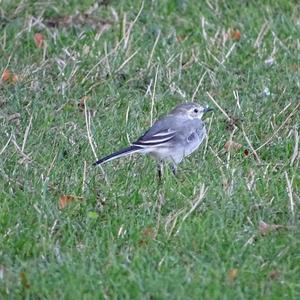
<point x="120" y="153"/>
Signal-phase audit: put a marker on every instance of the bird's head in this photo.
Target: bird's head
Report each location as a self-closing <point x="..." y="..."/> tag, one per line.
<point x="191" y="109"/>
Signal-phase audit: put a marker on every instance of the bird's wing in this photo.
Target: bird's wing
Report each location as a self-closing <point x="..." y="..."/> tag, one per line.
<point x="160" y="133"/>
<point x="158" y="138"/>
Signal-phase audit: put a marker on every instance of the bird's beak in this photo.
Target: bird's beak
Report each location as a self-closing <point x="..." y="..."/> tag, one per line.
<point x="208" y="109"/>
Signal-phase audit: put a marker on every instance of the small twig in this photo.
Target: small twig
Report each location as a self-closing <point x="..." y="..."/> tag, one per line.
<point x="153" y="96"/>
<point x="153" y="49"/>
<point x="278" y="129"/>
<point x="198" y="86"/>
<point x="102" y="59"/>
<point x="214" y="57"/>
<point x="91" y="139"/>
<point x="263" y="31"/>
<point x="148" y="91"/>
<point x="127" y="34"/>
<point x="95" y="66"/>
<point x="216" y="155"/>
<point x="26" y="134"/>
<point x="171" y="59"/>
<point x="284" y="109"/>
<point x="250" y="241"/>
<point x="159" y="202"/>
<point x="203" y="28"/>
<point x="25" y="156"/>
<point x="228" y="53"/>
<point x="83" y="177"/>
<point x="5" y="146"/>
<point x="218" y="106"/>
<point x="8" y="61"/>
<point x="296" y="147"/>
<point x="207" y="136"/>
<point x="173" y="219"/>
<point x="126" y="122"/>
<point x="180" y="66"/>
<point x="229" y="152"/>
<point x="106" y="60"/>
<point x="87" y="122"/>
<point x="53" y="227"/>
<point x="126" y="61"/>
<point x="124" y="22"/>
<point x="290" y="193"/>
<point x="237" y="98"/>
<point x="250" y="145"/>
<point x="203" y="191"/>
<point x="280" y="42"/>
<point x="51" y="166"/>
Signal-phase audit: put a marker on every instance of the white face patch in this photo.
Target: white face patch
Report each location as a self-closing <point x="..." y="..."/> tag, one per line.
<point x="196" y="115"/>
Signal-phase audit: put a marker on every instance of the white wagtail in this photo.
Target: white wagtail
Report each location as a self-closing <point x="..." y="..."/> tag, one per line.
<point x="170" y="138"/>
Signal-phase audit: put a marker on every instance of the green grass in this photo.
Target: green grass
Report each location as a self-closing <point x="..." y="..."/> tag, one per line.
<point x="127" y="238"/>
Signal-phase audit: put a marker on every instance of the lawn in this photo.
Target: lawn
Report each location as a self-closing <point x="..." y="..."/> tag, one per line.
<point x="80" y="80"/>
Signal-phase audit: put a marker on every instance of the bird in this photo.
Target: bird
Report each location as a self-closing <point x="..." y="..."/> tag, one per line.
<point x="171" y="138"/>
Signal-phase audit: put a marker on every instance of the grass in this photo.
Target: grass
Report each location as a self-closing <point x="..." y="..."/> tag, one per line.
<point x="125" y="236"/>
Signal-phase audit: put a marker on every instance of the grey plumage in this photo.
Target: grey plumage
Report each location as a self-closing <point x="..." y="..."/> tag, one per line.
<point x="172" y="137"/>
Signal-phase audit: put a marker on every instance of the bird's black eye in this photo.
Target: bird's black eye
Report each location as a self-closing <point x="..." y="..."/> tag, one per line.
<point x="196" y="110"/>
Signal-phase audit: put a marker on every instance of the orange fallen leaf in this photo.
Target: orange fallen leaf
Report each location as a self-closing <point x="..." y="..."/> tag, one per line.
<point x="15" y="78"/>
<point x="39" y="40"/>
<point x="67" y="199"/>
<point x="10" y="77"/>
<point x="232" y="274"/>
<point x="6" y="75"/>
<point x="235" y="35"/>
<point x="232" y="146"/>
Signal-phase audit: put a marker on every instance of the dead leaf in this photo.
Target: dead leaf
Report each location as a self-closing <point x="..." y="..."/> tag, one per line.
<point x="6" y="75"/>
<point x="67" y="199"/>
<point x="232" y="146"/>
<point x="9" y="77"/>
<point x="81" y="104"/>
<point x="80" y="19"/>
<point x="24" y="280"/>
<point x="295" y="67"/>
<point x="274" y="274"/>
<point x="147" y="234"/>
<point x="232" y="122"/>
<point x="180" y="38"/>
<point x="15" y="78"/>
<point x="235" y="35"/>
<point x="232" y="274"/>
<point x="265" y="228"/>
<point x="14" y="118"/>
<point x="39" y="40"/>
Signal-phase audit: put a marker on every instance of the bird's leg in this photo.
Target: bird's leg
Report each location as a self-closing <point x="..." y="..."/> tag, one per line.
<point x="174" y="168"/>
<point x="159" y="170"/>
